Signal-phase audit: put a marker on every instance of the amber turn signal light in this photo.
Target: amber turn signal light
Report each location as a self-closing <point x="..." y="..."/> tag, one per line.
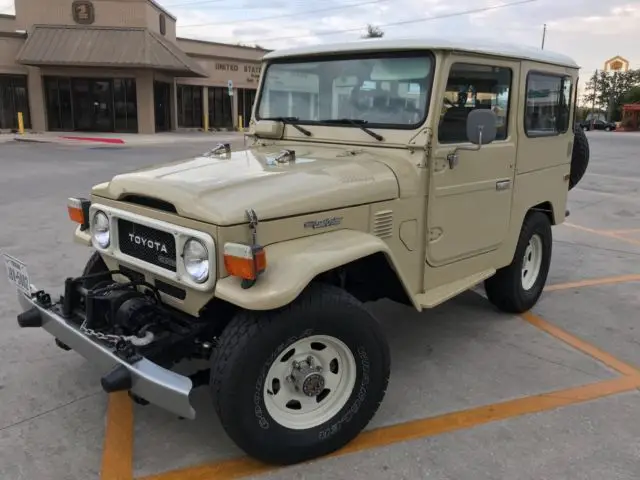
<point x="78" y="209"/>
<point x="244" y="261"/>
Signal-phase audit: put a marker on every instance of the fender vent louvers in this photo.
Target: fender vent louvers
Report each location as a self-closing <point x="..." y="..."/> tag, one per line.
<point x="383" y="224"/>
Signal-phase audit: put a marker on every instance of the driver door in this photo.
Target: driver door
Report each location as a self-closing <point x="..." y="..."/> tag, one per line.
<point x="469" y="202"/>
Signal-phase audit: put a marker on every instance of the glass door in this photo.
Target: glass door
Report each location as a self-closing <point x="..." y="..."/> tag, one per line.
<point x="162" y="100"/>
<point x="102" y="98"/>
<point x="93" y="104"/>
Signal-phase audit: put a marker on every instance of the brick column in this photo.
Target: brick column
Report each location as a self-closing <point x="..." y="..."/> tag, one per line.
<point x="36" y="100"/>
<point x="146" y="104"/>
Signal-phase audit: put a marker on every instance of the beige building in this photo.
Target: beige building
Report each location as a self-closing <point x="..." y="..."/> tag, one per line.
<point x="117" y="66"/>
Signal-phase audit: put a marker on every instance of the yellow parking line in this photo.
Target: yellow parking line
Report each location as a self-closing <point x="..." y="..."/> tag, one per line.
<point x="581" y="345"/>
<point x="117" y="453"/>
<point x="624" y="232"/>
<point x="603" y="233"/>
<point x="416" y="429"/>
<point x="593" y="282"/>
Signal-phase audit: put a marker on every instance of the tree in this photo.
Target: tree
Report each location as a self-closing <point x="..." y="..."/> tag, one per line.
<point x="632" y="96"/>
<point x="606" y="90"/>
<point x="373" y="32"/>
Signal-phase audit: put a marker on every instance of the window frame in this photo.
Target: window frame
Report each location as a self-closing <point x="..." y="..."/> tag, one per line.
<point x="419" y="53"/>
<point x="508" y="118"/>
<point x="573" y="92"/>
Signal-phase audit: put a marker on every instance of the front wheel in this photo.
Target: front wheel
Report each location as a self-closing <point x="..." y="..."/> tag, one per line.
<point x="517" y="287"/>
<point x="302" y="381"/>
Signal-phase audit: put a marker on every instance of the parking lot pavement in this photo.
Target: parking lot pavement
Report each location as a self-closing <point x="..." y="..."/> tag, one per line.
<point x="474" y="394"/>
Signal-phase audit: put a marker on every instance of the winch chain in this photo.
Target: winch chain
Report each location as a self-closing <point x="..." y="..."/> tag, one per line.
<point x="106" y="337"/>
<point x="115" y="339"/>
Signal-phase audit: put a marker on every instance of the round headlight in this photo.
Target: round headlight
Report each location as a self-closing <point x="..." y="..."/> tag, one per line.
<point x="196" y="260"/>
<point x="100" y="230"/>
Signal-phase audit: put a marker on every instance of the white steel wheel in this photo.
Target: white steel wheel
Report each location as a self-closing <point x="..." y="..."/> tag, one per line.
<point x="531" y="262"/>
<point x="310" y="382"/>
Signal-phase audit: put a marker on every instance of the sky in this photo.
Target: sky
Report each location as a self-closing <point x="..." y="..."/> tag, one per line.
<point x="590" y="31"/>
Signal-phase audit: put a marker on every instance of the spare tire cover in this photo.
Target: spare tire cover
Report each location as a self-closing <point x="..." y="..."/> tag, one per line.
<point x="579" y="156"/>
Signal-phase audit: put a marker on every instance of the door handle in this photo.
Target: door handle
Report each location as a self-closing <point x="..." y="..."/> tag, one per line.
<point x="503" y="185"/>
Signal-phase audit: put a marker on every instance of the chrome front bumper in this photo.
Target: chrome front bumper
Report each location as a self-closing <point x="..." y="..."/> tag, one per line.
<point x="156" y="384"/>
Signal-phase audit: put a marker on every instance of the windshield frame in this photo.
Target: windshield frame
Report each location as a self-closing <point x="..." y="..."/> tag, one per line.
<point x="391" y="53"/>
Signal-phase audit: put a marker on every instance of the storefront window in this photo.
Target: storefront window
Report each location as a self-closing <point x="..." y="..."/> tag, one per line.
<point x="189" y="106"/>
<point x="13" y="99"/>
<point x="246" y="98"/>
<point x="91" y="104"/>
<point x="220" y="113"/>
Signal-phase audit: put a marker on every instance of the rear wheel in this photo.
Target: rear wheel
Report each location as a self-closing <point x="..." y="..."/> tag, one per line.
<point x="302" y="381"/>
<point x="517" y="287"/>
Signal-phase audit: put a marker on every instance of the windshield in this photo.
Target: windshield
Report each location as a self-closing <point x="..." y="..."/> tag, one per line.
<point x="391" y="91"/>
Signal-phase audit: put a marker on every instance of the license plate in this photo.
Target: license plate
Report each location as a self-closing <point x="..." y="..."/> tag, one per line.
<point x="17" y="274"/>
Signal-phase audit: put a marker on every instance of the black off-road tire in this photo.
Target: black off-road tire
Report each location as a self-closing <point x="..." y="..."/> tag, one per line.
<point x="253" y="340"/>
<point x="579" y="156"/>
<point x="505" y="289"/>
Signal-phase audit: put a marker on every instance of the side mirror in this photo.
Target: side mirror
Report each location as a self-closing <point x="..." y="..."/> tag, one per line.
<point x="481" y="127"/>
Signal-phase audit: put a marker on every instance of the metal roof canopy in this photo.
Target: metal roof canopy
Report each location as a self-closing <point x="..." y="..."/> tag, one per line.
<point x="480" y="46"/>
<point x="115" y="47"/>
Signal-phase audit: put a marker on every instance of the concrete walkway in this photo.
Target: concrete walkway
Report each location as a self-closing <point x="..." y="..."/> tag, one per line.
<point x="128" y="139"/>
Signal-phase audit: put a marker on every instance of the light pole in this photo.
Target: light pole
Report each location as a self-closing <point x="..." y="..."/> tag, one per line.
<point x="544" y="34"/>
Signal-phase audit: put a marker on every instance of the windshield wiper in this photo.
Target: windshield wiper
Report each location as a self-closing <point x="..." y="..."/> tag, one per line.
<point x="290" y="121"/>
<point x="356" y="122"/>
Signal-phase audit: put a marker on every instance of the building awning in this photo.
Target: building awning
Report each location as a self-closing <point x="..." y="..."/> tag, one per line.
<point x="114" y="47"/>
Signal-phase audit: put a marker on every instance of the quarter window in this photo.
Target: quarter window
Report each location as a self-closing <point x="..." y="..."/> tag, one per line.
<point x="471" y="87"/>
<point x="548" y="104"/>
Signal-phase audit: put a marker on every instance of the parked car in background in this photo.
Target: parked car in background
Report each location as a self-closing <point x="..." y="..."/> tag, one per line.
<point x="597" y="125"/>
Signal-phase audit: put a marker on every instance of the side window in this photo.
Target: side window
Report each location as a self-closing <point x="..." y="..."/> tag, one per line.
<point x="548" y="104"/>
<point x="469" y="87"/>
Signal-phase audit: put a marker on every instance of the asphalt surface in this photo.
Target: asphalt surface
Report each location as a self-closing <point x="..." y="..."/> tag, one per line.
<point x="458" y="356"/>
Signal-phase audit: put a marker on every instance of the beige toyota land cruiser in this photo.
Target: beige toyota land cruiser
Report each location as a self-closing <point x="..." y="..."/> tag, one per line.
<point x="409" y="170"/>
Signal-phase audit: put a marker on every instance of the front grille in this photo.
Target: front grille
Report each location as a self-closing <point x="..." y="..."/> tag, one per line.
<point x="147" y="244"/>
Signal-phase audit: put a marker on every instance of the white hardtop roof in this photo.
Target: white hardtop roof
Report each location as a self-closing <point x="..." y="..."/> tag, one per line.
<point x="437" y="43"/>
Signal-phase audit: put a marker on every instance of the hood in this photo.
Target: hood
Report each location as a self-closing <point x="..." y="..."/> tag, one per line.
<point x="219" y="190"/>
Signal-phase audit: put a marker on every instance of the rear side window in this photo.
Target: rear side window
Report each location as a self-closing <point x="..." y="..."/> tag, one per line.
<point x="548" y="104"/>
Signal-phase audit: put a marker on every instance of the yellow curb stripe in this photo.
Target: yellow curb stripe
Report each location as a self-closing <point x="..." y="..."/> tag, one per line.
<point x="593" y="282"/>
<point x="416" y="429"/>
<point x="581" y="345"/>
<point x="117" y="453"/>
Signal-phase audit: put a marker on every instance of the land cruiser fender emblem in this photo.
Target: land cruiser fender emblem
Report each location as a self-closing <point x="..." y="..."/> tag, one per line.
<point x="327" y="222"/>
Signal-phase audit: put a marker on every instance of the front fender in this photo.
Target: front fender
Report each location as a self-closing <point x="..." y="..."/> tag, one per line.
<point x="291" y="265"/>
<point x="83" y="237"/>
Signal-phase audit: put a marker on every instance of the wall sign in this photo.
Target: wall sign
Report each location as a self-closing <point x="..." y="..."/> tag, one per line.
<point x="83" y="12"/>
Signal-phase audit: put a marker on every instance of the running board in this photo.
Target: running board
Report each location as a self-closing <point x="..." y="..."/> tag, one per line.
<point x="443" y="293"/>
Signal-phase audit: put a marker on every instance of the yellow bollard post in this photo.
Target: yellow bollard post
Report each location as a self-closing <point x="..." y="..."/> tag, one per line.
<point x="206" y="121"/>
<point x="20" y="123"/>
<point x="240" y="124"/>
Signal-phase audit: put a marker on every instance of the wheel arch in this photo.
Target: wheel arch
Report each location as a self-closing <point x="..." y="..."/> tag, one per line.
<point x="342" y="258"/>
<point x="546" y="208"/>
